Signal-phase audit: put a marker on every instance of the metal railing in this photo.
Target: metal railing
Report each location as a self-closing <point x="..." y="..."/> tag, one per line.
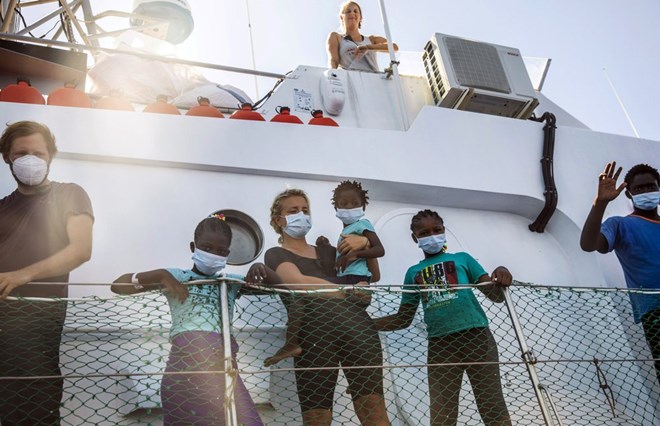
<point x="552" y="335"/>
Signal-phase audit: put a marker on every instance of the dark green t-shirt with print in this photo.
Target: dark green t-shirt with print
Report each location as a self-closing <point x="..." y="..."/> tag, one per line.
<point x="451" y="310"/>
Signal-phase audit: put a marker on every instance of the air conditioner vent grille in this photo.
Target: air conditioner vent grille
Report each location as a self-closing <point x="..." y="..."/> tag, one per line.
<point x="433" y="73"/>
<point x="477" y="65"/>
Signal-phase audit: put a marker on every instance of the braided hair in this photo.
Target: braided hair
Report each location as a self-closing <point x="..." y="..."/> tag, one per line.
<point x="414" y="223"/>
<point x="348" y="185"/>
<point x="216" y="224"/>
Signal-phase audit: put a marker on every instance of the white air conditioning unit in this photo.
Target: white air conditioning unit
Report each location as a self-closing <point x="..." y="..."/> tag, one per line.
<point x="478" y="77"/>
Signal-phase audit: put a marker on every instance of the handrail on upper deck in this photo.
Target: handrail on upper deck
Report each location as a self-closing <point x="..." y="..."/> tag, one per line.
<point x="13" y="37"/>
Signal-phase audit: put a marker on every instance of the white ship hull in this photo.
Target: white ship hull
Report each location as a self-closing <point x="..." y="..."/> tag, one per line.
<point x="151" y="178"/>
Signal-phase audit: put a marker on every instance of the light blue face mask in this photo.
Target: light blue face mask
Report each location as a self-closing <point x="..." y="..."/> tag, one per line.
<point x="349" y="216"/>
<point x="298" y="225"/>
<point x="433" y="244"/>
<point x="647" y="200"/>
<point x="208" y="263"/>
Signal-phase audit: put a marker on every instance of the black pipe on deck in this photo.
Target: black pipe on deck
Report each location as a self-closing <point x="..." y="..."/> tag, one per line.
<point x="550" y="193"/>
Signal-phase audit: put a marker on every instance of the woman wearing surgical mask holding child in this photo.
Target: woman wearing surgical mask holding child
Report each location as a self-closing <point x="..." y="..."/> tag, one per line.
<point x="350" y="49"/>
<point x="335" y="329"/>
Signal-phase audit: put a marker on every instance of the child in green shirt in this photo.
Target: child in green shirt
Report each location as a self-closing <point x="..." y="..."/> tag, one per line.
<point x="457" y="325"/>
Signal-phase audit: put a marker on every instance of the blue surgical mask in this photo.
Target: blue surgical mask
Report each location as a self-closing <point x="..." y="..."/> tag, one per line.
<point x="208" y="263"/>
<point x="433" y="244"/>
<point x="349" y="216"/>
<point x="298" y="225"/>
<point x="646" y="201"/>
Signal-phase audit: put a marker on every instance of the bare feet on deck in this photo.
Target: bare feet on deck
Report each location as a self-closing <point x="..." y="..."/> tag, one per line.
<point x="285" y="351"/>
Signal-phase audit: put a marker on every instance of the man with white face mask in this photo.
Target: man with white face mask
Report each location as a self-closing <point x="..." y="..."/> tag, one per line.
<point x="45" y="232"/>
<point x="635" y="240"/>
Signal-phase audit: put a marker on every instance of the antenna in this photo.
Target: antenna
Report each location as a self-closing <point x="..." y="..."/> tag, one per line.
<point x="623" y="107"/>
<point x="254" y="62"/>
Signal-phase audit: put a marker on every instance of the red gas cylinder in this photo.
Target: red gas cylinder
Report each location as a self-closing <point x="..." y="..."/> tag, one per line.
<point x="320" y="120"/>
<point x="69" y="96"/>
<point x="246" y="113"/>
<point x="114" y="101"/>
<point x="204" y="109"/>
<point x="284" y="116"/>
<point x="162" y="107"/>
<point x="22" y="92"/>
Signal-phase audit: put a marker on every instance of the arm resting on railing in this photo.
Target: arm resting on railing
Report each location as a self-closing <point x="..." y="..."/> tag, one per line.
<point x="260" y="274"/>
<point x="379" y="43"/>
<point x="500" y="278"/>
<point x="74" y="254"/>
<point x="151" y="280"/>
<point x="398" y="321"/>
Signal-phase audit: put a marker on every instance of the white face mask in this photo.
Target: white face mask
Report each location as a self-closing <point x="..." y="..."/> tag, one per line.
<point x="298" y="225"/>
<point x="208" y="263"/>
<point x="348" y="216"/>
<point x="30" y="170"/>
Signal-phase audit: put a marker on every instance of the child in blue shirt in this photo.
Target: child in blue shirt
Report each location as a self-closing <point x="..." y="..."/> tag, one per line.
<point x="457" y="326"/>
<point x="350" y="201"/>
<point x="196" y="332"/>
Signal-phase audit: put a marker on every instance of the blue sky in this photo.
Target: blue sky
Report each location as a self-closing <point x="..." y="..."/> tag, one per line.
<point x="581" y="37"/>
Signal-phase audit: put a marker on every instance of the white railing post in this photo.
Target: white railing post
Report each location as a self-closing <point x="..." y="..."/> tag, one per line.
<point x="395" y="67"/>
<point x="529" y="359"/>
<point x="228" y="366"/>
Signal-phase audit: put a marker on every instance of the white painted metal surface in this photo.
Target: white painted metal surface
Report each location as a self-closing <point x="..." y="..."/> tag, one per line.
<point x="152" y="177"/>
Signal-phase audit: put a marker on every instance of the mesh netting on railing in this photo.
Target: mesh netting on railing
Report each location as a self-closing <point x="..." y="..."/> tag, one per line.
<point x="591" y="359"/>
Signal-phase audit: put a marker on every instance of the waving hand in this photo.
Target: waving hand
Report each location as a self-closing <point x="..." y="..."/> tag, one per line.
<point x="607" y="189"/>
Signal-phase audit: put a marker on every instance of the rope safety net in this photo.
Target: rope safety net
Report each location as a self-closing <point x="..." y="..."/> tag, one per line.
<point x="590" y="358"/>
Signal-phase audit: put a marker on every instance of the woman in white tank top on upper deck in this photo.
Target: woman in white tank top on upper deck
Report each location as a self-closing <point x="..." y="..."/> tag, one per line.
<point x="351" y="50"/>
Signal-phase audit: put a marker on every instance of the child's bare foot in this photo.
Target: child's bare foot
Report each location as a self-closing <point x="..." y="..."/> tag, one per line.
<point x="285" y="351"/>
